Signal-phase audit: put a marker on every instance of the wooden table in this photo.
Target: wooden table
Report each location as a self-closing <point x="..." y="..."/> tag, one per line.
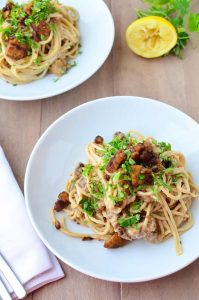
<point x="168" y="79"/>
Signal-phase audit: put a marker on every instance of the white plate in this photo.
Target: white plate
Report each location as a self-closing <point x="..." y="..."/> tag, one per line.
<point x="97" y="36"/>
<point x="62" y="146"/>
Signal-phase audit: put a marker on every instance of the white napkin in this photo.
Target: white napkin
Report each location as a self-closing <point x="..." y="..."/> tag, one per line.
<point x="34" y="265"/>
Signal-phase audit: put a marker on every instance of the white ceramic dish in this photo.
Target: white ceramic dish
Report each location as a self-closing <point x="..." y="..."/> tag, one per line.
<point x="62" y="146"/>
<point x="97" y="36"/>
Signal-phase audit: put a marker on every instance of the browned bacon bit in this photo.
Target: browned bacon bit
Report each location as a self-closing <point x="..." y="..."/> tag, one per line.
<point x="59" y="205"/>
<point x="6" y="10"/>
<point x="143" y="153"/>
<point x="63" y="196"/>
<point x="136" y="151"/>
<point x="15" y="50"/>
<point x="57" y="225"/>
<point x="87" y="238"/>
<point x="116" y="161"/>
<point x="99" y="139"/>
<point x="148" y="158"/>
<point x="115" y="241"/>
<point x="42" y="29"/>
<point x="59" y="67"/>
<point x="62" y="202"/>
<point x="141" y="175"/>
<point x="107" y="177"/>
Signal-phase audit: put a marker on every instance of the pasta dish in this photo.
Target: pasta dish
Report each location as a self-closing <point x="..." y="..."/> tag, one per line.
<point x="130" y="188"/>
<point x="37" y="37"/>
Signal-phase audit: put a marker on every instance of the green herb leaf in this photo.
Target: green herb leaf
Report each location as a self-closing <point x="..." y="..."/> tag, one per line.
<point x="137" y="205"/>
<point x="193" y="22"/>
<point x="116" y="176"/>
<point x="86" y="170"/>
<point x="56" y="79"/>
<point x="128" y="222"/>
<point x="73" y="64"/>
<point x="89" y="205"/>
<point x="160" y="182"/>
<point x="141" y="177"/>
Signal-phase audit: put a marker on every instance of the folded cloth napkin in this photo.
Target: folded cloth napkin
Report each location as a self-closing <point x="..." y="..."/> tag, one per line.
<point x="34" y="265"/>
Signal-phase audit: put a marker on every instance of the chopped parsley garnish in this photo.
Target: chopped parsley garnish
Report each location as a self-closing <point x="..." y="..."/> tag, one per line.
<point x="38" y="61"/>
<point x="86" y="170"/>
<point x="121" y="194"/>
<point x="97" y="189"/>
<point x="73" y="64"/>
<point x="156" y="193"/>
<point x="164" y="147"/>
<point x="176" y="177"/>
<point x="126" y="167"/>
<point x="141" y="177"/>
<point x="20" y="22"/>
<point x="137" y="205"/>
<point x="116" y="176"/>
<point x="119" y="198"/>
<point x="158" y="180"/>
<point x="169" y="170"/>
<point x="1" y="18"/>
<point x="128" y="222"/>
<point x="56" y="79"/>
<point x="89" y="205"/>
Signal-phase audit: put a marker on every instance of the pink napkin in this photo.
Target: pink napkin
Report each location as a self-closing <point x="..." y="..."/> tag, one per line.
<point x="34" y="265"/>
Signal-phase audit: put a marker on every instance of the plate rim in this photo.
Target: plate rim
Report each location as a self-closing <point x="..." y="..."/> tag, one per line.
<point x="81" y="81"/>
<point x="28" y="167"/>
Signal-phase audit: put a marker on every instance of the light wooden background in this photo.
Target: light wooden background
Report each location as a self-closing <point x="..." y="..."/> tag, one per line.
<point x="168" y="79"/>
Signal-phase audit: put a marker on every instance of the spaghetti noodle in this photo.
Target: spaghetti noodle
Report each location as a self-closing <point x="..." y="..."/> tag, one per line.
<point x="131" y="188"/>
<point x="36" y="38"/>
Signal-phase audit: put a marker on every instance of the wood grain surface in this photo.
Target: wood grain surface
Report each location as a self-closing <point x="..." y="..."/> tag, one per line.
<point x="169" y="80"/>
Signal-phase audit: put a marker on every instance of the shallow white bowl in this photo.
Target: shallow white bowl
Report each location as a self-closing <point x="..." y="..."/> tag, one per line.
<point x="97" y="36"/>
<point x="62" y="146"/>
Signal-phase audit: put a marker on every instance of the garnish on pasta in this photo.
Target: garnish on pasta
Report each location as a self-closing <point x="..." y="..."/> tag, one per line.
<point x="131" y="188"/>
<point x="37" y="37"/>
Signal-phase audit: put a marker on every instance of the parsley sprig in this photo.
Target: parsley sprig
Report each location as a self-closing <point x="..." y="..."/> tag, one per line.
<point x="89" y="205"/>
<point x="129" y="221"/>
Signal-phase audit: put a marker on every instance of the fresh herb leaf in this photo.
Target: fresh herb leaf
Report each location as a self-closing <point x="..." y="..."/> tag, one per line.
<point x="56" y="79"/>
<point x="73" y="64"/>
<point x="116" y="176"/>
<point x="121" y="194"/>
<point x="128" y="222"/>
<point x="169" y="170"/>
<point x="38" y="61"/>
<point x="131" y="161"/>
<point x="137" y="205"/>
<point x="156" y="192"/>
<point x="193" y="22"/>
<point x="141" y="177"/>
<point x="86" y="170"/>
<point x="1" y="18"/>
<point x="176" y="177"/>
<point x="100" y="187"/>
<point x="160" y="182"/>
<point x="89" y="205"/>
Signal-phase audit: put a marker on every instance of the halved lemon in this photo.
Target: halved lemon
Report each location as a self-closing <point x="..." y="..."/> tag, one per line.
<point x="151" y="36"/>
